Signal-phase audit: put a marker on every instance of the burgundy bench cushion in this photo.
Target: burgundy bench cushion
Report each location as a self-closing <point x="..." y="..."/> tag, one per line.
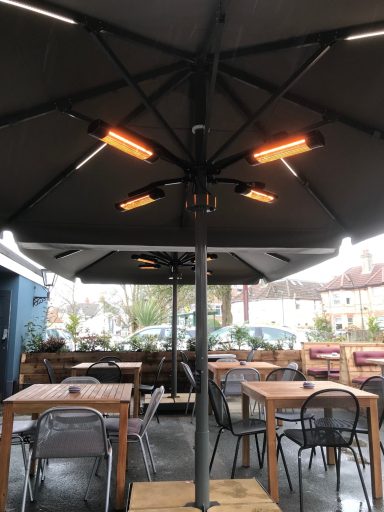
<point x="361" y="356"/>
<point x="315" y="352"/>
<point x="322" y="372"/>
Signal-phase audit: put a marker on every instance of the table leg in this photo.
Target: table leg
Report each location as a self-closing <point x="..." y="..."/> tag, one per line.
<point x="273" y="473"/>
<point x="374" y="450"/>
<point x="136" y="392"/>
<point x="122" y="457"/>
<point x="5" y="453"/>
<point x="246" y="458"/>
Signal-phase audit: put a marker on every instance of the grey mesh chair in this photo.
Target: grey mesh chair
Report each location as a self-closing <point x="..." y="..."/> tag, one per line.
<point x="184" y="357"/>
<point x="50" y="371"/>
<point x="107" y="372"/>
<point x="192" y="382"/>
<point x="70" y="432"/>
<point x="81" y="379"/>
<point x="137" y="428"/>
<point x="335" y="428"/>
<point x="149" y="388"/>
<point x="234" y="377"/>
<point x="238" y="428"/>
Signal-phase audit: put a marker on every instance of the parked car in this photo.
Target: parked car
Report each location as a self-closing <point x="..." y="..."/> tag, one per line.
<point x="266" y="332"/>
<point x="59" y="333"/>
<point x="161" y="334"/>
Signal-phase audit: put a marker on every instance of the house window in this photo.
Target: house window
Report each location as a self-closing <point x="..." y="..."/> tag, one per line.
<point x="348" y="301"/>
<point x="338" y="324"/>
<point x="336" y="299"/>
<point x="350" y="321"/>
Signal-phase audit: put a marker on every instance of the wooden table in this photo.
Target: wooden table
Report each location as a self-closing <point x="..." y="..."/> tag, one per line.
<point x="126" y="369"/>
<point x="40" y="397"/>
<point x="219" y="369"/>
<point x="379" y="361"/>
<point x="274" y="395"/>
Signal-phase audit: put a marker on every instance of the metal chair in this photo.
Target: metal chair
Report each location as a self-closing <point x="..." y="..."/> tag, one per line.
<point x="50" y="371"/>
<point x="110" y="358"/>
<point x="149" y="388"/>
<point x="234" y="377"/>
<point x="285" y="374"/>
<point x="70" y="432"/>
<point x="137" y="428"/>
<point x="81" y="379"/>
<point x="106" y="372"/>
<point x="192" y="382"/>
<point x="335" y="412"/>
<point x="184" y="357"/>
<point x="240" y="428"/>
<point x="373" y="385"/>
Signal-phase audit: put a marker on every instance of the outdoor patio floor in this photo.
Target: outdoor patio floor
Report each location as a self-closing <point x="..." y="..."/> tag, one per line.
<point x="173" y="447"/>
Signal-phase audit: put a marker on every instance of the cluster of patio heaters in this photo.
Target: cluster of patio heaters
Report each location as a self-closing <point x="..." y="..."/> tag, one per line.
<point x="138" y="147"/>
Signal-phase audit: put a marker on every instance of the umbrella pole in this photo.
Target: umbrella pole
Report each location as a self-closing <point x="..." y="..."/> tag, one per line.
<point x="202" y="426"/>
<point x="174" y="335"/>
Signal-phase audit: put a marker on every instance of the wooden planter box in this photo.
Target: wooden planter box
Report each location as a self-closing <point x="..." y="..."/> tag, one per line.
<point x="32" y="369"/>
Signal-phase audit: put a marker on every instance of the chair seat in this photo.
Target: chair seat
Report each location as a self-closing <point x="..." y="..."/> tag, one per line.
<point x="291" y="416"/>
<point x="22" y="427"/>
<point x="112" y="426"/>
<point x="313" y="439"/>
<point x="250" y="426"/>
<point x="146" y="388"/>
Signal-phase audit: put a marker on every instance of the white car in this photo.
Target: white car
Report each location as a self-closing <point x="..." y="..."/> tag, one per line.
<point x="266" y="332"/>
<point x="162" y="333"/>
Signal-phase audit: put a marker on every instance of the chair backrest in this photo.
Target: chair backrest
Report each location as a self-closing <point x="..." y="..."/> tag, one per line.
<point x="315" y="352"/>
<point x="51" y="371"/>
<point x="219" y="405"/>
<point x="110" y="358"/>
<point x="285" y="374"/>
<point x="189" y="374"/>
<point x="376" y="385"/>
<point x="337" y="426"/>
<point x="184" y="357"/>
<point x="250" y="356"/>
<point x="361" y="356"/>
<point x="234" y="378"/>
<point x="80" y="379"/>
<point x="152" y="408"/>
<point x="159" y="368"/>
<point x="70" y="432"/>
<point x="293" y="365"/>
<point x="108" y="372"/>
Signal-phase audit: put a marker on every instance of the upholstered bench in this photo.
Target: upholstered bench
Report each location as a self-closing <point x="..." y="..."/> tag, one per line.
<point x="360" y="358"/>
<point x="321" y="372"/>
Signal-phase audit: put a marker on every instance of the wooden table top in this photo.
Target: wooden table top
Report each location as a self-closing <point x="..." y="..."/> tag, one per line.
<point x="59" y="394"/>
<point x="123" y="365"/>
<point x="331" y="357"/>
<point x="291" y="390"/>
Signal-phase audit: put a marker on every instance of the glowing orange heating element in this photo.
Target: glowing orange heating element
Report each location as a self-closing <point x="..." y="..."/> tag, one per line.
<point x="142" y="199"/>
<point x="260" y="195"/>
<point x="286" y="148"/>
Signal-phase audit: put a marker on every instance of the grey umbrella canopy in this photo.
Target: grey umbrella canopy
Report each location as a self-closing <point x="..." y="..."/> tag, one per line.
<point x="203" y="83"/>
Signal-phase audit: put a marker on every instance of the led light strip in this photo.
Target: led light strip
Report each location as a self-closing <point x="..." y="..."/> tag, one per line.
<point x="89" y="156"/>
<point x="29" y="7"/>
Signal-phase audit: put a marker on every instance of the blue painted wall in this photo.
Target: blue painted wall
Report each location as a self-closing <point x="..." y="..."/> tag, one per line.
<point x="22" y="311"/>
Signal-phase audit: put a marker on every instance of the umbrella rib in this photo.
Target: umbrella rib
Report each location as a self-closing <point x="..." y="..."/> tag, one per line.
<point x="290" y="82"/>
<point x="332" y="115"/>
<point x="136" y="87"/>
<point x="254" y="269"/>
<point x="300" y="41"/>
<point x="87" y="267"/>
<point x="46" y="108"/>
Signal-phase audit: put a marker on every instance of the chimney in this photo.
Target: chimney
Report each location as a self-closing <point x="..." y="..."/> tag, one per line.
<point x="366" y="262"/>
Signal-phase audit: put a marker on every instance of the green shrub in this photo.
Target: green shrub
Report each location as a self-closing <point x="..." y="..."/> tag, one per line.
<point x="92" y="342"/>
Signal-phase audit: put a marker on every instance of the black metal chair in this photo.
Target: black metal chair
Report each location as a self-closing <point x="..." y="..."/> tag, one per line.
<point x="192" y="382"/>
<point x="373" y="385"/>
<point x="106" y="372"/>
<point x="234" y="377"/>
<point x="240" y="428"/>
<point x="50" y="371"/>
<point x="184" y="357"/>
<point x="335" y="413"/>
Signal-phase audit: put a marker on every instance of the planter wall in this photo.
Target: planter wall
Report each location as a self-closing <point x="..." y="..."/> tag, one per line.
<point x="32" y="369"/>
